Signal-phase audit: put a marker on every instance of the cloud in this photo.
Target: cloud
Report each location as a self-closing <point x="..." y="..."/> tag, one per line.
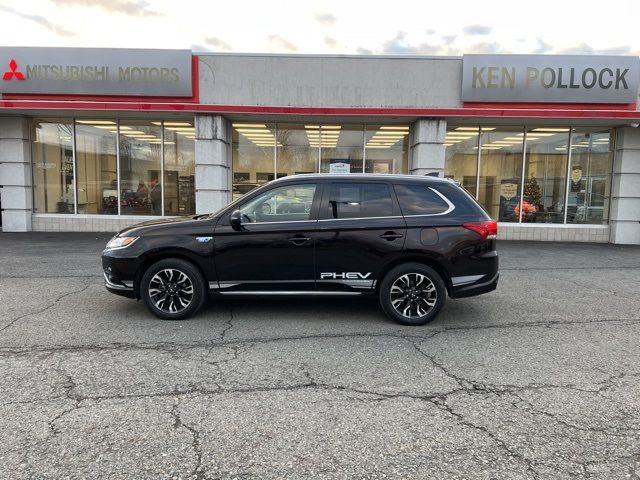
<point x="580" y="49"/>
<point x="477" y="30"/>
<point x="363" y="51"/>
<point x="325" y="18"/>
<point x="330" y="42"/>
<point x="134" y="8"/>
<point x="586" y="49"/>
<point x="620" y="50"/>
<point x="430" y="31"/>
<point x="449" y="39"/>
<point x="399" y="46"/>
<point x="197" y="47"/>
<point x="543" y="47"/>
<point x="279" y="44"/>
<point x="217" y="43"/>
<point x="486" y="47"/>
<point x="40" y="20"/>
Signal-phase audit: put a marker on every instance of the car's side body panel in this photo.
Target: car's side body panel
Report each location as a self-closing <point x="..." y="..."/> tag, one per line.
<point x="319" y="253"/>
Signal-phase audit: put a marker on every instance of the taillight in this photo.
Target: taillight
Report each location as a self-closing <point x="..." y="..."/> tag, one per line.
<point x="487" y="230"/>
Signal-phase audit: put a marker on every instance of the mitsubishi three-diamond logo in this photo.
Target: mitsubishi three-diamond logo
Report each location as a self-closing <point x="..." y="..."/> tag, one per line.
<point x="13" y="71"/>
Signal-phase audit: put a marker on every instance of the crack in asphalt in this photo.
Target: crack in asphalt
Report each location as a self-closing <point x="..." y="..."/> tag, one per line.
<point x="198" y="472"/>
<point x="462" y="382"/>
<point x="473" y="387"/>
<point x="169" y="346"/>
<point x="70" y="393"/>
<point x="556" y="418"/>
<point x="42" y="310"/>
<point x="438" y="399"/>
<point x="529" y="464"/>
<point x="228" y="326"/>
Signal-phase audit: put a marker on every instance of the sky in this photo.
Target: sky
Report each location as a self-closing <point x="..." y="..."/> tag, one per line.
<point x="398" y="27"/>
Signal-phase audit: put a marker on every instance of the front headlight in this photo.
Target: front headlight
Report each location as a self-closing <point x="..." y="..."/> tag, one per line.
<point x="120" y="242"/>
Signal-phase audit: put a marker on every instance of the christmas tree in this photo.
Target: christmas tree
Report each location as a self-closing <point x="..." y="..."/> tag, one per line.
<point x="532" y="193"/>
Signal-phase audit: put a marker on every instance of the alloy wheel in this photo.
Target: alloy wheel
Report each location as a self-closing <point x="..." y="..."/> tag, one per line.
<point x="413" y="295"/>
<point x="171" y="290"/>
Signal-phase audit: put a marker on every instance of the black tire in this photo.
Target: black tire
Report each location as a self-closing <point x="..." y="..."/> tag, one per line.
<point x="175" y="276"/>
<point x="407" y="293"/>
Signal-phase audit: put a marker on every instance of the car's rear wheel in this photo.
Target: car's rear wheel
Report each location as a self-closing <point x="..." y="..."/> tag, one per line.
<point x="412" y="294"/>
<point x="173" y="289"/>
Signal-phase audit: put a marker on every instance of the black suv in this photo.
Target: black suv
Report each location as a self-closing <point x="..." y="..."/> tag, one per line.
<point x="410" y="240"/>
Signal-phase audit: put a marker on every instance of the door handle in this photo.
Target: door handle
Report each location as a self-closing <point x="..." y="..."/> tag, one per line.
<point x="390" y="236"/>
<point x="299" y="240"/>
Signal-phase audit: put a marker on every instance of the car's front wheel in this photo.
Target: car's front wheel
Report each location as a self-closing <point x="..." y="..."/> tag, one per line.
<point x="173" y="289"/>
<point x="412" y="294"/>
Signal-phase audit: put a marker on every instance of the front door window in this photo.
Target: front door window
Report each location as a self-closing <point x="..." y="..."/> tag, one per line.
<point x="288" y="203"/>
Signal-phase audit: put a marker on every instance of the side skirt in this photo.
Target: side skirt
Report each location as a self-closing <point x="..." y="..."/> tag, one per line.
<point x="285" y="292"/>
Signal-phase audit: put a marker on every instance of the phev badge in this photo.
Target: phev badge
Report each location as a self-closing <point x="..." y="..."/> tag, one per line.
<point x="345" y="275"/>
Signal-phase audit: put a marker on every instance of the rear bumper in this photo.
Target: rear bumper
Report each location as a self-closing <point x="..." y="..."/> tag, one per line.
<point x="487" y="283"/>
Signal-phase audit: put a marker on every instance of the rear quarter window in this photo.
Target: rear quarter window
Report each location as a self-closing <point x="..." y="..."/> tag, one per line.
<point x="420" y="200"/>
<point x="466" y="205"/>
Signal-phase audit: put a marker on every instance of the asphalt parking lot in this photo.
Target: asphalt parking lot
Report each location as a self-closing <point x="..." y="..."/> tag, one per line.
<point x="539" y="379"/>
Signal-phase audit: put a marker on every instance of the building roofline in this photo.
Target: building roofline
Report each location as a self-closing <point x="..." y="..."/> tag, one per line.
<point x="325" y="55"/>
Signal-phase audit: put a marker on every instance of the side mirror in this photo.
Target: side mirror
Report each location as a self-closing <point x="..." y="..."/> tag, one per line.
<point x="235" y="220"/>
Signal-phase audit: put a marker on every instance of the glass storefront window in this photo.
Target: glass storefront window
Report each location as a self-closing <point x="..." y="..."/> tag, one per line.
<point x="386" y="149"/>
<point x="544" y="176"/>
<point x="461" y="156"/>
<point x="179" y="168"/>
<point x="263" y="152"/>
<point x="153" y="175"/>
<point x="253" y="156"/>
<point x="53" y="166"/>
<point x="86" y="181"/>
<point x="545" y="184"/>
<point x="341" y="147"/>
<point x="501" y="171"/>
<point x="590" y="176"/>
<point x="96" y="167"/>
<point x="297" y="150"/>
<point x="140" y="168"/>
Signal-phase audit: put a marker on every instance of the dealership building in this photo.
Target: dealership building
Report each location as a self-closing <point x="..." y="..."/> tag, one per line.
<point x="99" y="139"/>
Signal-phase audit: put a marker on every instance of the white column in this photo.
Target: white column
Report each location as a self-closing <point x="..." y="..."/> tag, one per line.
<point x="625" y="188"/>
<point x="213" y="163"/>
<point x="15" y="174"/>
<point x="426" y="146"/>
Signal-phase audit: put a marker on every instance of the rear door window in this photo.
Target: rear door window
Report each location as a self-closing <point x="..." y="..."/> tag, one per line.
<point x="359" y="200"/>
<point x="420" y="200"/>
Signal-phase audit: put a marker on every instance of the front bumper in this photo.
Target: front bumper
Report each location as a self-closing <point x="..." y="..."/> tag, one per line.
<point x="119" y="274"/>
<point x="119" y="287"/>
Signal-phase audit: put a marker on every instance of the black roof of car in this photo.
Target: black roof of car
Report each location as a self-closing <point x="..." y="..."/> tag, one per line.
<point x="360" y="177"/>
